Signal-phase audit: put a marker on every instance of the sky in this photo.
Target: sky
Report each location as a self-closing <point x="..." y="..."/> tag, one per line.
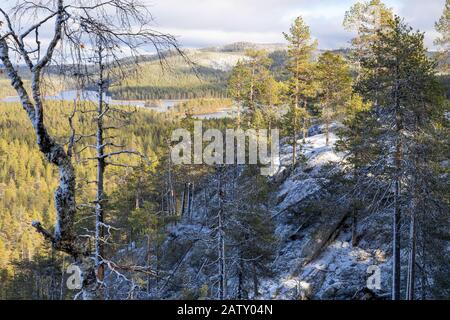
<point x="204" y="23"/>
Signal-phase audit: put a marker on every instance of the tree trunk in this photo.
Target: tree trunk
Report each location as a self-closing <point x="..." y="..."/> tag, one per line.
<point x="294" y="120"/>
<point x="396" y="240"/>
<point x="63" y="271"/>
<point x="183" y="200"/>
<point x="63" y="239"/>
<point x="412" y="257"/>
<point x="240" y="278"/>
<point x="255" y="282"/>
<point x="355" y="227"/>
<point x="327" y="131"/>
<point x="304" y="124"/>
<point x="191" y="200"/>
<point x="99" y="201"/>
<point x="172" y="200"/>
<point x="252" y="89"/>
<point x="221" y="240"/>
<point x="294" y="138"/>
<point x="396" y="267"/>
<point x="148" y="262"/>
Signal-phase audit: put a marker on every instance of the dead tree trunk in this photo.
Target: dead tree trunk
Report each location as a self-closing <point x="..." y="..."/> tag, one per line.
<point x="412" y="260"/>
<point x="190" y="199"/>
<point x="183" y="200"/>
<point x="396" y="267"/>
<point x="99" y="201"/>
<point x="63" y="238"/>
<point x="221" y="238"/>
<point x="354" y="227"/>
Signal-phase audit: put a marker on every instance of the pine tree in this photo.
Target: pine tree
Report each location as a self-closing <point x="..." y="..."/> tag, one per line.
<point x="358" y="139"/>
<point x="238" y="86"/>
<point x="443" y="27"/>
<point x="253" y="87"/>
<point x="335" y="87"/>
<point x="398" y="78"/>
<point x="248" y="232"/>
<point x="301" y="85"/>
<point x="367" y="18"/>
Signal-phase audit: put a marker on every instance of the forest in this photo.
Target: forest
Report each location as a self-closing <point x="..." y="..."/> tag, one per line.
<point x="92" y="206"/>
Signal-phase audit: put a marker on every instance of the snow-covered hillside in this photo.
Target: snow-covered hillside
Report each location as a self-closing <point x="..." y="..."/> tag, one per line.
<point x="223" y="61"/>
<point x="314" y="257"/>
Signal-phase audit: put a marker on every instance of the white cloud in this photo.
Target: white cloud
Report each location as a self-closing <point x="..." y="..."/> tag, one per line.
<point x="200" y="23"/>
<point x="421" y="15"/>
<point x="211" y="37"/>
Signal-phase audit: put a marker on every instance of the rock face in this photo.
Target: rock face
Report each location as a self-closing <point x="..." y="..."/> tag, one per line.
<point x="315" y="258"/>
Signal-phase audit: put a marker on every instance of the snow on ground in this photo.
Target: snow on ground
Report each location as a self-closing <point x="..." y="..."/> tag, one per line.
<point x="340" y="269"/>
<point x="314" y="150"/>
<point x="294" y="191"/>
<point x="218" y="60"/>
<point x="338" y="272"/>
<point x="299" y="186"/>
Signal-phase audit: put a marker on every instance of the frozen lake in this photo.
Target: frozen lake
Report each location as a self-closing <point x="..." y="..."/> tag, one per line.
<point x="162" y="105"/>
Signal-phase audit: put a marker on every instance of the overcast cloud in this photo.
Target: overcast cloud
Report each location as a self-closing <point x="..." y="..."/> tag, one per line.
<point x="200" y="23"/>
<point x="203" y="23"/>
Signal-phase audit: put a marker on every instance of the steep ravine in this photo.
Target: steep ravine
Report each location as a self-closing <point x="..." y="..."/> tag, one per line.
<point x="314" y="257"/>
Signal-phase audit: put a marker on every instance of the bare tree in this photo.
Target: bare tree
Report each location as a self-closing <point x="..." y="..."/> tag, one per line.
<point x="221" y="235"/>
<point x="125" y="24"/>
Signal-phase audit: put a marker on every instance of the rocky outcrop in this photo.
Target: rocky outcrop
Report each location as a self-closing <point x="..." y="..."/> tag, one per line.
<point x="315" y="258"/>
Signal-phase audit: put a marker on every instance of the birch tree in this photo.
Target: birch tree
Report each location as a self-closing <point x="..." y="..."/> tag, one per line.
<point x="127" y="22"/>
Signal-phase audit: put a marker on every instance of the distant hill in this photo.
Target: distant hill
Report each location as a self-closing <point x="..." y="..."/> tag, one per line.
<point x="206" y="77"/>
<point x="203" y="76"/>
<point x="243" y="46"/>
